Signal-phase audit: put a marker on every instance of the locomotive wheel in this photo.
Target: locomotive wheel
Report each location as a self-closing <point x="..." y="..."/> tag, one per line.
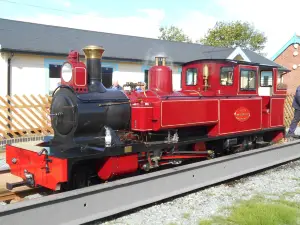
<point x="79" y="180"/>
<point x="79" y="177"/>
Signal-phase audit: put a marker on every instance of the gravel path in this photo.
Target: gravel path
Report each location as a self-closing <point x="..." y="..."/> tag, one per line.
<point x="209" y="202"/>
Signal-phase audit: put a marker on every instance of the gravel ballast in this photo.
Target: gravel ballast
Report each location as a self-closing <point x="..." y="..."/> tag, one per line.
<point x="211" y="201"/>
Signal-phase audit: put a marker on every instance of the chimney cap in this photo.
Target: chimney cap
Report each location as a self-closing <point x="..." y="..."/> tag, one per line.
<point x="93" y="51"/>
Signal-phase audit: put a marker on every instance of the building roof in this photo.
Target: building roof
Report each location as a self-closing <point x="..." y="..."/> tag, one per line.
<point x="45" y="39"/>
<point x="294" y="40"/>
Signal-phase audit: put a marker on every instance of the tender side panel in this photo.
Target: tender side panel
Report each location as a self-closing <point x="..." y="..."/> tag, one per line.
<point x="176" y="113"/>
<point x="141" y="118"/>
<point x="240" y="115"/>
<point x="35" y="164"/>
<point x="277" y="112"/>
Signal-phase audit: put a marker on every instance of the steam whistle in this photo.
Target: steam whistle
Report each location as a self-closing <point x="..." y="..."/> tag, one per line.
<point x="205" y="77"/>
<point x="160" y="61"/>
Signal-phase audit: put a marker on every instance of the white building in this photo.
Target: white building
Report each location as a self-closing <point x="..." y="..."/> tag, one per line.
<point x="31" y="56"/>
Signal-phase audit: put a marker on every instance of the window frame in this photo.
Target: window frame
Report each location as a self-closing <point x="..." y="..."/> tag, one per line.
<point x="272" y="80"/>
<point x="186" y="72"/>
<point x="225" y="85"/>
<point x="255" y="83"/>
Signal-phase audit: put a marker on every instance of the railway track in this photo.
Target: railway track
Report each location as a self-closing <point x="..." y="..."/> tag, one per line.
<point x="16" y="196"/>
<point x="100" y="201"/>
<point x="7" y="196"/>
<point x="19" y="193"/>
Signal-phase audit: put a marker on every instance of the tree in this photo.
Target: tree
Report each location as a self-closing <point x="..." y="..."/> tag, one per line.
<point x="173" y="33"/>
<point x="234" y="34"/>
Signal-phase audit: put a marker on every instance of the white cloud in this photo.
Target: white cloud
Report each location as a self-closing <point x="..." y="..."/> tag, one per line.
<point x="145" y="25"/>
<point x="67" y="4"/>
<point x="278" y="20"/>
<point x="195" y="24"/>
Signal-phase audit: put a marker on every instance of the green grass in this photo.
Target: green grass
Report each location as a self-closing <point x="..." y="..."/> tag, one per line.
<point x="259" y="211"/>
<point x="186" y="215"/>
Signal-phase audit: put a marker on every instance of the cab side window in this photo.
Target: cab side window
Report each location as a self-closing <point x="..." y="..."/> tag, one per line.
<point x="191" y="76"/>
<point x="248" y="80"/>
<point x="226" y="76"/>
<point x="266" y="78"/>
<point x="280" y="84"/>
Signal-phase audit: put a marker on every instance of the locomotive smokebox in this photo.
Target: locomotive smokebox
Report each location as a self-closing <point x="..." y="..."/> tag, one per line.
<point x="93" y="56"/>
<point x="160" y="76"/>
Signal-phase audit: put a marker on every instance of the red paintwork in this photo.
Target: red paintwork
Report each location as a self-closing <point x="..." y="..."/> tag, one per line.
<point x="200" y="146"/>
<point x="188" y="112"/>
<point x="35" y="164"/>
<point x="118" y="165"/>
<point x="223" y="109"/>
<point x="277" y="136"/>
<point x="160" y="78"/>
<point x="265" y="111"/>
<point x="277" y="112"/>
<point x="79" y="75"/>
<point x="228" y="121"/>
<point x="143" y="118"/>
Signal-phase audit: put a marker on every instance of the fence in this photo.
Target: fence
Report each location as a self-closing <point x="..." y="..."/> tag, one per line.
<point x="24" y="116"/>
<point x="288" y="110"/>
<point x="28" y="116"/>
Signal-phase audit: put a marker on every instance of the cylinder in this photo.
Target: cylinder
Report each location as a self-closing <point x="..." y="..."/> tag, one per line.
<point x="93" y="56"/>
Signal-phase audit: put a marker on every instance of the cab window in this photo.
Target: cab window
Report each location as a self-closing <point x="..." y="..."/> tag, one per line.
<point x="191" y="76"/>
<point x="280" y="84"/>
<point x="266" y="78"/>
<point x="248" y="80"/>
<point x="226" y="76"/>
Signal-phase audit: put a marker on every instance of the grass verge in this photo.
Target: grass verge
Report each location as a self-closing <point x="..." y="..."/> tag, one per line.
<point x="259" y="210"/>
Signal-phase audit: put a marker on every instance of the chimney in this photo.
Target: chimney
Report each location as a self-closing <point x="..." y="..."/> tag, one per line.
<point x="93" y="56"/>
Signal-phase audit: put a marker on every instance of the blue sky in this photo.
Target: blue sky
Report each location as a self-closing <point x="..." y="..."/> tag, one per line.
<point x="143" y="18"/>
<point x="172" y="8"/>
<point x="174" y="11"/>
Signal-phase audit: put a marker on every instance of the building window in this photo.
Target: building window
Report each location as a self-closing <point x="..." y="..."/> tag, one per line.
<point x="248" y="80"/>
<point x="266" y="78"/>
<point x="226" y="76"/>
<point x="54" y="71"/>
<point x="107" y="74"/>
<point x="191" y="76"/>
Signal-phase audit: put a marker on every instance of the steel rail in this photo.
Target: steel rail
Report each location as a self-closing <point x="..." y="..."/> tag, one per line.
<point x="99" y="201"/>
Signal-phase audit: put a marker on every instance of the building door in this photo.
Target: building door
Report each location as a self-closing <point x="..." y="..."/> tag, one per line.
<point x="107" y="76"/>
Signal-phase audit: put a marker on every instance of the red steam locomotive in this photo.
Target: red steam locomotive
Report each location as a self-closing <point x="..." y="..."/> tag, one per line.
<point x="224" y="107"/>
